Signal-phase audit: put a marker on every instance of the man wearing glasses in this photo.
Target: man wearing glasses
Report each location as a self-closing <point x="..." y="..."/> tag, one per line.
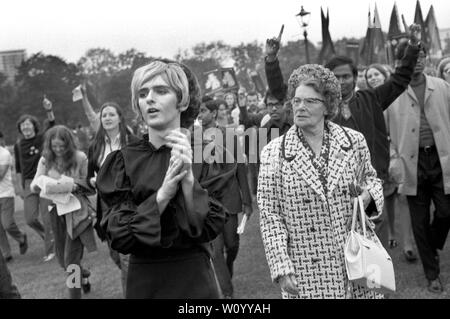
<point x="279" y="123"/>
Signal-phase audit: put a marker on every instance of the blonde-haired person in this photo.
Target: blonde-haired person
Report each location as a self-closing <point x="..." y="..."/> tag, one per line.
<point x="159" y="213"/>
<point x="303" y="191"/>
<point x="73" y="231"/>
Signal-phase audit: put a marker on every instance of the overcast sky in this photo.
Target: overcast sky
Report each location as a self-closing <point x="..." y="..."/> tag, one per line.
<point x="161" y="27"/>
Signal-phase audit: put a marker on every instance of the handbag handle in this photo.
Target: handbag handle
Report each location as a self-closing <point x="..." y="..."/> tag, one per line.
<point x="358" y="203"/>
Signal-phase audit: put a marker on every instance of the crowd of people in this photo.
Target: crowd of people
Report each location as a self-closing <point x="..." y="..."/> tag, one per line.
<point x="170" y="217"/>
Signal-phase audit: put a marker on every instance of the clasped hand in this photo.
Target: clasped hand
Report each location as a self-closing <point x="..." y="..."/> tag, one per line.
<point x="180" y="164"/>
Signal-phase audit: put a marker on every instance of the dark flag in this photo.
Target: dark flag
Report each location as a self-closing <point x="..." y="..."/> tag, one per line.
<point x="379" y="45"/>
<point x="327" y="50"/>
<point x="432" y="34"/>
<point x="418" y="19"/>
<point x="395" y="35"/>
<point x="374" y="49"/>
<point x="366" y="46"/>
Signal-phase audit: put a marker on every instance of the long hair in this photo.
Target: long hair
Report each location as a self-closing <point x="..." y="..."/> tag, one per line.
<point x="98" y="144"/>
<point x="31" y="118"/>
<point x="69" y="161"/>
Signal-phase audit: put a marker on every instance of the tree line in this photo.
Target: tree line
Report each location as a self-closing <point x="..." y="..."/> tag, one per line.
<point x="108" y="77"/>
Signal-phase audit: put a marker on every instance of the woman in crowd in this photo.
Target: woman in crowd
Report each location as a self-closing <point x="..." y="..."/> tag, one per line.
<point x="376" y="75"/>
<point x="303" y="192"/>
<point x="223" y="114"/>
<point x="160" y="214"/>
<point x="27" y="152"/>
<point x="111" y="135"/>
<point x="74" y="230"/>
<point x="232" y="106"/>
<point x="444" y="69"/>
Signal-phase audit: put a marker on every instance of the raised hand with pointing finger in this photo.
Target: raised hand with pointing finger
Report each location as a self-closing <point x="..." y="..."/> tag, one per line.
<point x="273" y="46"/>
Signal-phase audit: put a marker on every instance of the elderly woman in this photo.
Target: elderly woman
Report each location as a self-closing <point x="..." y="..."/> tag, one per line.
<point x="444" y="69"/>
<point x="159" y="213"/>
<point x="303" y="192"/>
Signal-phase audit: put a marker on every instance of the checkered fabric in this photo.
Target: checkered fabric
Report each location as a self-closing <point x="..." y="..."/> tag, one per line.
<point x="303" y="228"/>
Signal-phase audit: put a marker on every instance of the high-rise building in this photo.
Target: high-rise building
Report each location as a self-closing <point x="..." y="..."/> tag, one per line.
<point x="9" y="61"/>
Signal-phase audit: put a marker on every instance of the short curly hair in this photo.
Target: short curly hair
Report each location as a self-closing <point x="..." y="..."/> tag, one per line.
<point x="179" y="77"/>
<point x="322" y="80"/>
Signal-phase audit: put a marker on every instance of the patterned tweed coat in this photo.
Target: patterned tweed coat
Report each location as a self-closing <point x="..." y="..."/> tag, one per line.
<point x="303" y="228"/>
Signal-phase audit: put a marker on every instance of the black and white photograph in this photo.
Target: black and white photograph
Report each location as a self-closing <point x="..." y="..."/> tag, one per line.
<point x="240" y="152"/>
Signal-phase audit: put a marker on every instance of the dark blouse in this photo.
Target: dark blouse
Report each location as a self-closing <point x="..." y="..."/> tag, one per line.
<point x="128" y="182"/>
<point x="93" y="168"/>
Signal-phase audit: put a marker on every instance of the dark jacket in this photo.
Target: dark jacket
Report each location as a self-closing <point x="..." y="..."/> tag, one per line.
<point x="235" y="192"/>
<point x="254" y="121"/>
<point x="366" y="106"/>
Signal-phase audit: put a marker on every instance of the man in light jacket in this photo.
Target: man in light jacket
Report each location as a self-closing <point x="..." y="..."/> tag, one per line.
<point x="419" y="122"/>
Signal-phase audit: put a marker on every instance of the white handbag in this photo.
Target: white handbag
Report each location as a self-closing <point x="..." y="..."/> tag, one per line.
<point x="367" y="262"/>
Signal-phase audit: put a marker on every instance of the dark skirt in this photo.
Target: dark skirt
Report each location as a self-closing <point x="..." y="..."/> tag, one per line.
<point x="185" y="275"/>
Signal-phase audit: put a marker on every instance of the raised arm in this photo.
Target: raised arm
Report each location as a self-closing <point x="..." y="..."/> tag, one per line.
<point x="389" y="91"/>
<point x="275" y="80"/>
<point x="93" y="118"/>
<point x="48" y="107"/>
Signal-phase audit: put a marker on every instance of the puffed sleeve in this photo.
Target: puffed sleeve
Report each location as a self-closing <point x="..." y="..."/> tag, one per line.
<point x="126" y="224"/>
<point x="368" y="176"/>
<point x="211" y="183"/>
<point x="214" y="221"/>
<point x="273" y="227"/>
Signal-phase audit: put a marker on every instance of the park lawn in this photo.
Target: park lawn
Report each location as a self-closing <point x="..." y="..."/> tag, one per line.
<point x="36" y="279"/>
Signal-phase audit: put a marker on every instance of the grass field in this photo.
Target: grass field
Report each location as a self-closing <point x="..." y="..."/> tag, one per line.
<point x="36" y="279"/>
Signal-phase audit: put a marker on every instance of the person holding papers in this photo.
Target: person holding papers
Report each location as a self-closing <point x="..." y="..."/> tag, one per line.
<point x="61" y="177"/>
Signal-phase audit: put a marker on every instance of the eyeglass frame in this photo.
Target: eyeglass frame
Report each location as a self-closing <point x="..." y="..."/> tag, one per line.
<point x="309" y="101"/>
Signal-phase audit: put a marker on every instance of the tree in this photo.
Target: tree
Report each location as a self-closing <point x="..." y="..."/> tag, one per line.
<point x="51" y="76"/>
<point x="292" y="55"/>
<point x="247" y="58"/>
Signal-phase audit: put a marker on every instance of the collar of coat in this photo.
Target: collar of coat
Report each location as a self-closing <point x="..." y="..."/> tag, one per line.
<point x="430" y="86"/>
<point x="340" y="154"/>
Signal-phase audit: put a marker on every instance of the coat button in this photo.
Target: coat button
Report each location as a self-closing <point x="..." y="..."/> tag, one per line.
<point x="412" y="156"/>
<point x="413" y="130"/>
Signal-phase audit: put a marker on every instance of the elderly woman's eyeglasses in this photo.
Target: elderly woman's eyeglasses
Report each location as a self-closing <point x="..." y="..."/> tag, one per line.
<point x="308" y="101"/>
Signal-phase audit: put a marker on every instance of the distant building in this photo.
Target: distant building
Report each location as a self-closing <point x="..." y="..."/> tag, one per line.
<point x="444" y="34"/>
<point x="9" y="61"/>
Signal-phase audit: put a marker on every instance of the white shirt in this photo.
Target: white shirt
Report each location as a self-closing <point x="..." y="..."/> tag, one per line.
<point x="235" y="115"/>
<point x="6" y="184"/>
<point x="110" y="147"/>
